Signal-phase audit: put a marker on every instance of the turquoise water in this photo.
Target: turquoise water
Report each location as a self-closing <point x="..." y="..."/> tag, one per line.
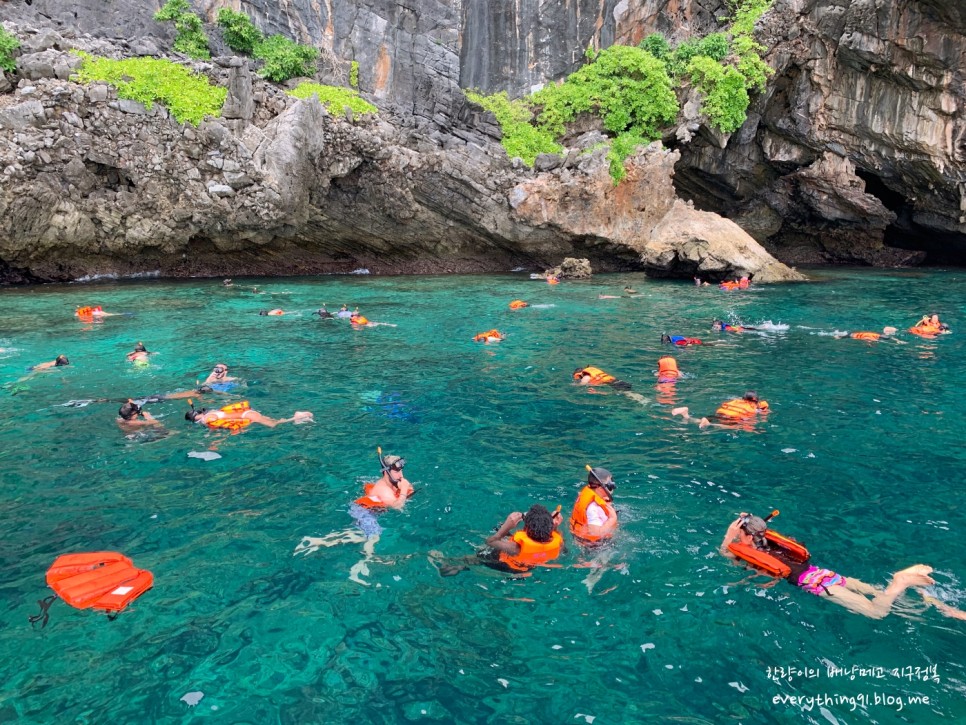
<point x="862" y="453"/>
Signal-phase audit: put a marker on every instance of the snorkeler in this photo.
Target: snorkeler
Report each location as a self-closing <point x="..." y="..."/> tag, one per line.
<point x="667" y="370"/>
<point x="591" y="376"/>
<point x="131" y="417"/>
<point x="59" y="361"/>
<point x="324" y="313"/>
<point x="721" y="326"/>
<point x="680" y="340"/>
<point x="390" y="491"/>
<point x="343" y="312"/>
<point x="139" y="355"/>
<point x="277" y="312"/>
<point x="489" y="336"/>
<point x="236" y="416"/>
<point x="219" y="380"/>
<point x="518" y="304"/>
<point x="593" y="520"/>
<point x="888" y="333"/>
<point x="538" y="543"/>
<point x="741" y="411"/>
<point x="749" y="539"/>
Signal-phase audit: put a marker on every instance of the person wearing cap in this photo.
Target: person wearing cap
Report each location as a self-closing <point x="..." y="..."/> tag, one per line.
<point x="741" y="411"/>
<point x="594" y="519"/>
<point x="854" y="595"/>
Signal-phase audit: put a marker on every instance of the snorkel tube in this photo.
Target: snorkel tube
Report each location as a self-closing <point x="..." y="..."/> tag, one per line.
<point x="386" y="469"/>
<point x="609" y="487"/>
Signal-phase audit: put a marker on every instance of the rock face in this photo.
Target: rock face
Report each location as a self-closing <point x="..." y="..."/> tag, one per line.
<point x="571" y="268"/>
<point x="93" y="184"/>
<point x="854" y="153"/>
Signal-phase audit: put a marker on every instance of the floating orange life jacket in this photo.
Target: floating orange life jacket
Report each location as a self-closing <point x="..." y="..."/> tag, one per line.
<point x="553" y="280"/>
<point x="532" y="552"/>
<point x="740" y="408"/>
<point x="926" y="330"/>
<point x="597" y="376"/>
<point x="484" y="336"/>
<point x="100" y="580"/>
<point x="667" y="370"/>
<point x="578" y="518"/>
<point x="374" y="503"/>
<point x="873" y="336"/>
<point x="359" y="320"/>
<point x="84" y="312"/>
<point x="768" y="563"/>
<point x="729" y="285"/>
<point x="232" y="424"/>
<point x="518" y="304"/>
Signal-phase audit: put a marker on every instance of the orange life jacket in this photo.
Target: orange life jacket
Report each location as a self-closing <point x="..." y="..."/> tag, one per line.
<point x="925" y="330"/>
<point x="84" y="312"/>
<point x="518" y="304"/>
<point x="729" y="285"/>
<point x="532" y="552"/>
<point x="667" y="369"/>
<point x="372" y="503"/>
<point x="740" y="408"/>
<point x="359" y="320"/>
<point x="100" y="580"/>
<point x="767" y="563"/>
<point x="483" y="336"/>
<point x="597" y="376"/>
<point x="232" y="424"/>
<point x="578" y="518"/>
<point x="553" y="280"/>
<point x="873" y="336"/>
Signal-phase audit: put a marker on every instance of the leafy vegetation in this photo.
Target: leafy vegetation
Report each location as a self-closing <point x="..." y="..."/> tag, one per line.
<point x="188" y="96"/>
<point x="354" y="74"/>
<point x="8" y="44"/>
<point x="190" y="39"/>
<point x="632" y="90"/>
<point x="285" y="58"/>
<point x="239" y="31"/>
<point x="520" y="138"/>
<point x="334" y="97"/>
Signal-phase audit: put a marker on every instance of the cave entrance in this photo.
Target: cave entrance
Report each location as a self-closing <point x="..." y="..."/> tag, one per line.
<point x="904" y="233"/>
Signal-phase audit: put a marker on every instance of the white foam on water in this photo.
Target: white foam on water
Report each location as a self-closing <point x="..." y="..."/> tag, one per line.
<point x="192" y="698"/>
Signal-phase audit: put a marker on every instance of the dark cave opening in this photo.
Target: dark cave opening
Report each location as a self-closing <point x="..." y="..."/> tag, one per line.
<point x="904" y="233"/>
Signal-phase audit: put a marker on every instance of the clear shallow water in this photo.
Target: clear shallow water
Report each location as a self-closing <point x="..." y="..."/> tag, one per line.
<point x="862" y="453"/>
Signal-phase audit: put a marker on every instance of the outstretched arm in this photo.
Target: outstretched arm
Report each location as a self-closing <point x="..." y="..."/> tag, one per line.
<point x="498" y="541"/>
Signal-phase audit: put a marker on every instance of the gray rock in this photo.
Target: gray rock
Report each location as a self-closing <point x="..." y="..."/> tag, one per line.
<point x="220" y="190"/>
<point x="22" y="116"/>
<point x="97" y="93"/>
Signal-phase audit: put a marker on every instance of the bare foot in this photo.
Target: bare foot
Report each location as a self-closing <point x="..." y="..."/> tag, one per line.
<point x="683" y="411"/>
<point x="914" y="576"/>
<point x="704" y="423"/>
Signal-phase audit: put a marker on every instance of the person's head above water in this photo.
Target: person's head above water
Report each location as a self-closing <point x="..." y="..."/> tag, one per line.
<point x="395" y="463"/>
<point x="755" y="527"/>
<point x="194" y="414"/>
<point x="61" y="360"/>
<point x="220" y="370"/>
<point x="600" y="478"/>
<point x="750" y="396"/>
<point x="717" y="325"/>
<point x="140" y="347"/>
<point x="665" y="338"/>
<point x="129" y="411"/>
<point x="538" y="523"/>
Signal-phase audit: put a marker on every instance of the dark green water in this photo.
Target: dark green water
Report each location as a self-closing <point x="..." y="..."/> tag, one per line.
<point x="862" y="452"/>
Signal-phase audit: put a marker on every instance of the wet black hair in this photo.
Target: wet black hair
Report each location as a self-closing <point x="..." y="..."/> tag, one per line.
<point x="751" y="396"/>
<point x="129" y="411"/>
<point x="205" y="389"/>
<point x="61" y="360"/>
<point x="665" y="338"/>
<point x="538" y="523"/>
<point x="140" y="347"/>
<point x="263" y="313"/>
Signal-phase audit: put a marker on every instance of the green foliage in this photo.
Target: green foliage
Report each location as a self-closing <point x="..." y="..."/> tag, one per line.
<point x="238" y="31"/>
<point x="520" y="138"/>
<point x="285" y="58"/>
<point x="621" y="147"/>
<point x="746" y="15"/>
<point x="8" y="44"/>
<point x="188" y="96"/>
<point x="354" y="74"/>
<point x="725" y="96"/>
<point x="715" y="46"/>
<point x="190" y="39"/>
<point x="334" y="97"/>
<point x="627" y="87"/>
<point x="656" y="44"/>
<point x="754" y="70"/>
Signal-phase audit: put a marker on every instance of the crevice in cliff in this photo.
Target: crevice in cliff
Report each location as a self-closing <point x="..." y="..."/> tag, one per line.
<point x="111" y="177"/>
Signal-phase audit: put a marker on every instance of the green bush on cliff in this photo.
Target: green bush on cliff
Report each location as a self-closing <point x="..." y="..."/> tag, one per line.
<point x="354" y="74"/>
<point x="334" y="97"/>
<point x="239" y="31"/>
<point x="190" y="39"/>
<point x="725" y="96"/>
<point x="8" y="44"/>
<point x="520" y="138"/>
<point x="285" y="58"/>
<point x="188" y="96"/>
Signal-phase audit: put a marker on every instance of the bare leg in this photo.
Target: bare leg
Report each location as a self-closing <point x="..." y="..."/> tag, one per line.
<point x="861" y="587"/>
<point x="682" y="411"/>
<point x="451" y="566"/>
<point x="311" y="544"/>
<point x="598" y="567"/>
<point x="881" y="604"/>
<point x="635" y="396"/>
<point x="361" y="567"/>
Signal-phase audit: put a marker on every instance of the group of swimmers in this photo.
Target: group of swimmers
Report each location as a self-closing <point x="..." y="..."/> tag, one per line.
<point x="593" y="520"/>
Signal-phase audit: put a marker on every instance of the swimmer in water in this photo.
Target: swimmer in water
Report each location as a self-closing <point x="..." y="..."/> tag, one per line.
<point x="888" y="333"/>
<point x="747" y="533"/>
<point x="227" y="283"/>
<point x="219" y="376"/>
<point x="324" y="313"/>
<point x="591" y="376"/>
<point x="681" y="341"/>
<point x="139" y="354"/>
<point x="58" y="362"/>
<point x="740" y="412"/>
<point x="343" y="312"/>
<point x="390" y="491"/>
<point x="240" y="415"/>
<point x="277" y="312"/>
<point x="131" y="417"/>
<point x="538" y="543"/>
<point x="489" y="336"/>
